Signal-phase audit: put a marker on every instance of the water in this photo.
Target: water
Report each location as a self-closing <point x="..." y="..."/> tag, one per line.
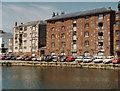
<point x="23" y="77"/>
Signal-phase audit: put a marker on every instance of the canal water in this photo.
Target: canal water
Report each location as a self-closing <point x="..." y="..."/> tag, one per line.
<point x="23" y="77"/>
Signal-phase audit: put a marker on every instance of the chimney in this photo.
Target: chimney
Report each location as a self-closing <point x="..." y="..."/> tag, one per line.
<point x="21" y="23"/>
<point x="15" y="23"/>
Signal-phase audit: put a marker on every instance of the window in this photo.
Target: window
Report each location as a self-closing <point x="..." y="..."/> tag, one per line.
<point x="87" y="17"/>
<point x="74" y="46"/>
<point x="33" y="41"/>
<point x="117" y="32"/>
<point x="86" y="53"/>
<point x="25" y="47"/>
<point x="63" y="35"/>
<point x="63" y="44"/>
<point x="100" y="17"/>
<point x="100" y="45"/>
<point x="74" y="21"/>
<point x="86" y="43"/>
<point x="117" y="42"/>
<point x="63" y="28"/>
<point x="16" y="41"/>
<point x="86" y="25"/>
<point x="53" y="29"/>
<point x="33" y="35"/>
<point x="86" y="34"/>
<point x="117" y="15"/>
<point x="25" y="34"/>
<point x="25" y="40"/>
<point x="117" y="23"/>
<point x="33" y="28"/>
<point x="53" y="44"/>
<point x="74" y="37"/>
<point x="74" y="28"/>
<point x="100" y="26"/>
<point x="16" y="48"/>
<point x="2" y="45"/>
<point x="16" y="35"/>
<point x="52" y="36"/>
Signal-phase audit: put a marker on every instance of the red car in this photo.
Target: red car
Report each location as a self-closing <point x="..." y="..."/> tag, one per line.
<point x="2" y="57"/>
<point x="28" y="58"/>
<point x="70" y="58"/>
<point x="116" y="60"/>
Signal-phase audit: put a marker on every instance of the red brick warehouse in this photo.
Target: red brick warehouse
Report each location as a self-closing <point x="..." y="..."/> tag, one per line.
<point x="87" y="32"/>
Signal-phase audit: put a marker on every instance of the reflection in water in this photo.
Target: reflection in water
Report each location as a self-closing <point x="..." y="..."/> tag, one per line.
<point x="23" y="77"/>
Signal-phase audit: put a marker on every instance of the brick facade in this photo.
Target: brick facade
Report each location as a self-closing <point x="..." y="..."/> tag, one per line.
<point x="100" y="34"/>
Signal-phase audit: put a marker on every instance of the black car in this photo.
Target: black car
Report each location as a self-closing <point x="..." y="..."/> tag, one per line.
<point x="9" y="57"/>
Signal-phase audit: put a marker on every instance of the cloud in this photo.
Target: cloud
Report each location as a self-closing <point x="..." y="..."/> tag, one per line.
<point x="24" y="12"/>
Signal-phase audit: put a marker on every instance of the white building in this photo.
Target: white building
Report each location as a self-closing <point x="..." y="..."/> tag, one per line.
<point x="4" y="42"/>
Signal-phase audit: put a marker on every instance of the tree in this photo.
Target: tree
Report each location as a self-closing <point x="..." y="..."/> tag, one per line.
<point x="119" y="6"/>
<point x="53" y="14"/>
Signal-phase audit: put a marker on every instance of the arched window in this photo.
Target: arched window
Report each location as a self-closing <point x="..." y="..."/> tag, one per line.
<point x="63" y="35"/>
<point x="53" y="29"/>
<point x="52" y="36"/>
<point x="86" y="43"/>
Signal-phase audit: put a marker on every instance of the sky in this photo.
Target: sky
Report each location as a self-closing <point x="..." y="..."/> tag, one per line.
<point x="33" y="11"/>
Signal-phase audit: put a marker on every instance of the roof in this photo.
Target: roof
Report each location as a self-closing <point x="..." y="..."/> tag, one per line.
<point x="32" y="23"/>
<point x="82" y="13"/>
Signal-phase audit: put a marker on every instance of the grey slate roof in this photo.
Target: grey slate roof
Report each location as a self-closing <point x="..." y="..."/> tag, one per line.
<point x="32" y="23"/>
<point x="82" y="13"/>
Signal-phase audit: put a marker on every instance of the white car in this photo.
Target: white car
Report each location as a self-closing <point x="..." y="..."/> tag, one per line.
<point x="54" y="58"/>
<point x="34" y="59"/>
<point x="87" y="59"/>
<point x="108" y="59"/>
<point x="19" y="58"/>
<point x="98" y="60"/>
<point x="79" y="59"/>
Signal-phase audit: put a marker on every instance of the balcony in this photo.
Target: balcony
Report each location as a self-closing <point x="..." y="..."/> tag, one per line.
<point x="100" y="28"/>
<point x="100" y="47"/>
<point x="74" y="21"/>
<point x="100" y="37"/>
<point x="74" y="28"/>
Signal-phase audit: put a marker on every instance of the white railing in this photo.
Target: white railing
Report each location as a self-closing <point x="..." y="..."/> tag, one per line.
<point x="100" y="37"/>
<point x="100" y="47"/>
<point x="100" y="28"/>
<point x="74" y="21"/>
<point x="74" y="28"/>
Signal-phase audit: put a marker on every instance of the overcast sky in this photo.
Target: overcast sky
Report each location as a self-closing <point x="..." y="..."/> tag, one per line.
<point x="29" y="11"/>
<point x="59" y="0"/>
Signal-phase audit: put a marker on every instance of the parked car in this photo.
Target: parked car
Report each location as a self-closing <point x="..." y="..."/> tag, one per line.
<point x="108" y="59"/>
<point x="70" y="59"/>
<point x="55" y="58"/>
<point x="2" y="57"/>
<point x="48" y="58"/>
<point x="28" y="58"/>
<point x="40" y="58"/>
<point x="62" y="58"/>
<point x="19" y="58"/>
<point x="98" y="60"/>
<point x="116" y="60"/>
<point x="87" y="59"/>
<point x="34" y="58"/>
<point x="14" y="57"/>
<point x="79" y="59"/>
<point x="9" y="57"/>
